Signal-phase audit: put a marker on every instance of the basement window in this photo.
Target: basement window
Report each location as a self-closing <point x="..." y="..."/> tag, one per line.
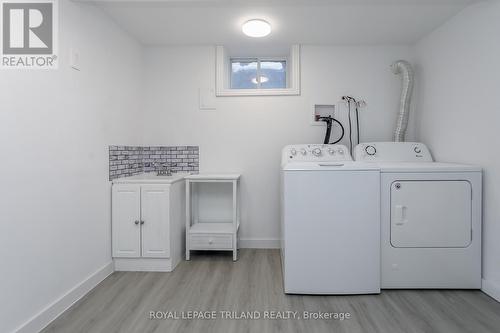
<point x="257" y="76"/>
<point x="256" y="73"/>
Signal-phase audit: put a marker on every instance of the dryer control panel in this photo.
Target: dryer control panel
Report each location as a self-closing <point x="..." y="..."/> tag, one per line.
<point x="392" y="152"/>
<point x="315" y="153"/>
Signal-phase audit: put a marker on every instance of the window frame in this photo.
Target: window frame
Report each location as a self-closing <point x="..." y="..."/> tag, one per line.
<point x="258" y="60"/>
<point x="222" y="76"/>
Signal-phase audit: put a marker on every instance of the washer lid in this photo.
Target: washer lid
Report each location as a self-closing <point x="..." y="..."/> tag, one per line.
<point x="330" y="166"/>
<point x="426" y="167"/>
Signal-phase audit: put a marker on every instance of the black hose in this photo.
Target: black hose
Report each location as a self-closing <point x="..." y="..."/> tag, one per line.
<point x="357" y="122"/>
<point x="350" y="125"/>
<point x="350" y="99"/>
<point x="329" y="121"/>
<point x="328" y="132"/>
<point x="343" y="131"/>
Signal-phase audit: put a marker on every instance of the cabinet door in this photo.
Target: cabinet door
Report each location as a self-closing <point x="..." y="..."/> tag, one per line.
<point x="155" y="215"/>
<point x="126" y="210"/>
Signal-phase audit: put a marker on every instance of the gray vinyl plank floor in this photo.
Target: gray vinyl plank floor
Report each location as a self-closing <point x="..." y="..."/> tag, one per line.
<point x="211" y="281"/>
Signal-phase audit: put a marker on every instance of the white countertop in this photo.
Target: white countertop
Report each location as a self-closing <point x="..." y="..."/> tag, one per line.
<point x="214" y="176"/>
<point x="150" y="178"/>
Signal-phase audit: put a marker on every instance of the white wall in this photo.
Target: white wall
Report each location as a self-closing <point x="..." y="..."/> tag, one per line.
<point x="246" y="134"/>
<point x="459" y="73"/>
<point x="55" y="127"/>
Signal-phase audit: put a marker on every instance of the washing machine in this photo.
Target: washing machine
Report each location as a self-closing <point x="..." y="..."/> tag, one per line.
<point x="430" y="217"/>
<point x="330" y="221"/>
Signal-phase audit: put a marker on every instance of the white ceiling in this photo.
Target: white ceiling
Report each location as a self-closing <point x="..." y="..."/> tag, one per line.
<point x="166" y="22"/>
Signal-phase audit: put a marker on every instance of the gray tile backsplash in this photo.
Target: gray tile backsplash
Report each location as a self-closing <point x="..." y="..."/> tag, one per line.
<point x="127" y="161"/>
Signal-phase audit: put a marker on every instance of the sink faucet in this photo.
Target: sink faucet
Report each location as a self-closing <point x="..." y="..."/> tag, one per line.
<point x="164" y="170"/>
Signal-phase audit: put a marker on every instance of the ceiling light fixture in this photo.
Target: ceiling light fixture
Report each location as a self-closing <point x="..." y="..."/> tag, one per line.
<point x="256" y="28"/>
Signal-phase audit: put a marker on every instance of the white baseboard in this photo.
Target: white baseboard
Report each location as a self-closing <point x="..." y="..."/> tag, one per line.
<point x="55" y="309"/>
<point x="259" y="243"/>
<point x="492" y="289"/>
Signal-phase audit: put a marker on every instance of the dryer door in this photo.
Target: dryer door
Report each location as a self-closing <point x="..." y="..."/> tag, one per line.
<point x="431" y="213"/>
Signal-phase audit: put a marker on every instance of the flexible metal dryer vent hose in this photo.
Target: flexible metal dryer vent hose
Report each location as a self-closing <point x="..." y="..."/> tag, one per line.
<point x="403" y="67"/>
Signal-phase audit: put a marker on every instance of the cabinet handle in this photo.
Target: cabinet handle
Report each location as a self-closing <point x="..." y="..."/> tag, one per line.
<point x="142" y="222"/>
<point x="136" y="222"/>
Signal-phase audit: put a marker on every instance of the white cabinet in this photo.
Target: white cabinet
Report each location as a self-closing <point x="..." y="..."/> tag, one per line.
<point x="216" y="230"/>
<point x="147" y="223"/>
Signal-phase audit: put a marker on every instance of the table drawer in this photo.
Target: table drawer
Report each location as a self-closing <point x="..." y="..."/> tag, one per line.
<point x="211" y="241"/>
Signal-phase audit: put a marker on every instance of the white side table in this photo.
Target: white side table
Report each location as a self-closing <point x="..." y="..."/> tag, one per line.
<point x="213" y="235"/>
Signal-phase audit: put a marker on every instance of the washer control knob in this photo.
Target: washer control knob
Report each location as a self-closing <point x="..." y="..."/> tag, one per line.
<point x="293" y="151"/>
<point x="417" y="150"/>
<point x="316" y="152"/>
<point x="341" y="151"/>
<point x="331" y="151"/>
<point x="303" y="151"/>
<point x="370" y="150"/>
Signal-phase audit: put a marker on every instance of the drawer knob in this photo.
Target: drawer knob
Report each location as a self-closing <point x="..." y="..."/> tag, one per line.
<point x="210" y="241"/>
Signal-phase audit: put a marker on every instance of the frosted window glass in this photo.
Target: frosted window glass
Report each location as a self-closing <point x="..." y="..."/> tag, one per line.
<point x="272" y="74"/>
<point x="258" y="74"/>
<point x="243" y="74"/>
